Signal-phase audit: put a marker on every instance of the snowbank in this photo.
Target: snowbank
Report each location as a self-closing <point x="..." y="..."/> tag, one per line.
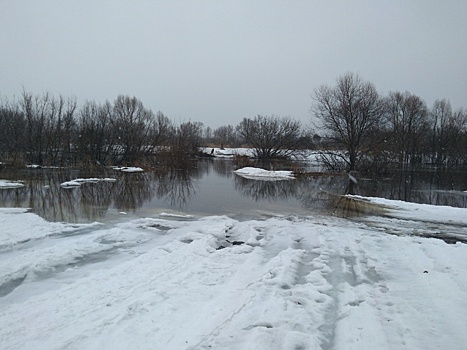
<point x="219" y="283"/>
<point x="302" y="155"/>
<point x="262" y="174"/>
<point x="420" y="212"/>
<point x="228" y="152"/>
<point x="20" y="226"/>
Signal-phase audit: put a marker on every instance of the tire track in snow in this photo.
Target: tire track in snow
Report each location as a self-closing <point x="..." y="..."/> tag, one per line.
<point x="281" y="311"/>
<point x="352" y="283"/>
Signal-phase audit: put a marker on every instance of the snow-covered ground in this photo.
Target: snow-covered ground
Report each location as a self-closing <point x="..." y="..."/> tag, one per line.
<point x="179" y="282"/>
<point x="228" y="152"/>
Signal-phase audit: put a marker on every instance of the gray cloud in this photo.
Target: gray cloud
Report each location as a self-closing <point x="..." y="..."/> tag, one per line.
<point x="220" y="61"/>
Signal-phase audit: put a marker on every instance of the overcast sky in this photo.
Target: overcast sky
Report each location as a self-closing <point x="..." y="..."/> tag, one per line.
<point x="219" y="61"/>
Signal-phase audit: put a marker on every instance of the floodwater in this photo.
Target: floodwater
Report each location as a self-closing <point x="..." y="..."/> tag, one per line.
<point x="211" y="188"/>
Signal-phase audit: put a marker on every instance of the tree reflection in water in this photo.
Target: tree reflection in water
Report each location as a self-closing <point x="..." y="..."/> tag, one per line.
<point x="264" y="189"/>
<point x="313" y="192"/>
<point x="223" y="168"/>
<point x="91" y="201"/>
<point x="326" y="193"/>
<point x="131" y="190"/>
<point x="177" y="187"/>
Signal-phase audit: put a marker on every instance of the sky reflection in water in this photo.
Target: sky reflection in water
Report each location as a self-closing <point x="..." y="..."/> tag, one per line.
<point x="211" y="188"/>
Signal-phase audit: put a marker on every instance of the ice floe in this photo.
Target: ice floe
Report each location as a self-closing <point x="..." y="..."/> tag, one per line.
<point x="8" y="184"/>
<point x="79" y="182"/>
<point x="262" y="174"/>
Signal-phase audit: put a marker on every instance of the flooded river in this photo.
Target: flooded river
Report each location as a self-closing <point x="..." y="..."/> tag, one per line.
<point x="210" y="187"/>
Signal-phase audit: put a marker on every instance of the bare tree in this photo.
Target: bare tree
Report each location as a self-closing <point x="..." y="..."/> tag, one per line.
<point x="189" y="136"/>
<point x="348" y="112"/>
<point x="448" y="136"/>
<point x="34" y="109"/>
<point x="207" y="135"/>
<point x="49" y="127"/>
<point x="11" y="132"/>
<point x="160" y="130"/>
<point x="407" y="122"/>
<point x="184" y="142"/>
<point x="456" y="148"/>
<point x="271" y="136"/>
<point x="96" y="138"/>
<point x="59" y="130"/>
<point x="441" y="117"/>
<point x="132" y="125"/>
<point x="225" y="136"/>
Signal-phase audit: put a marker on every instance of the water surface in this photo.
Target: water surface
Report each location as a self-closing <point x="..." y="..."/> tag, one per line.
<point x="210" y="187"/>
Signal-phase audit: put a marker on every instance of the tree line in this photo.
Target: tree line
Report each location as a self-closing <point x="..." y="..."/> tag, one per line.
<point x="355" y="129"/>
<point x="52" y="131"/>
<point x="48" y="130"/>
<point x="366" y="131"/>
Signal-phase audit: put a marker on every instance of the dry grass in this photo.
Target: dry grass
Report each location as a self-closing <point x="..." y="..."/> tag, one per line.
<point x="346" y="206"/>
